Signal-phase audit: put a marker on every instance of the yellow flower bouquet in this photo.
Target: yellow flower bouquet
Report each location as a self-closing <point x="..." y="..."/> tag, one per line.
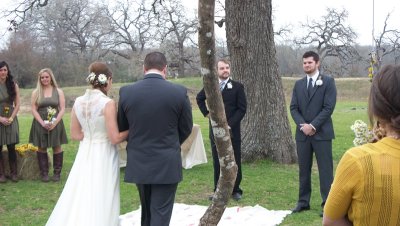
<point x="23" y="148"/>
<point x="6" y="111"/>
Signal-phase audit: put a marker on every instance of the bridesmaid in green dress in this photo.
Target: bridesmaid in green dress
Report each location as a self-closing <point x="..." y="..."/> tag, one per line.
<point x="9" y="133"/>
<point x="48" y="107"/>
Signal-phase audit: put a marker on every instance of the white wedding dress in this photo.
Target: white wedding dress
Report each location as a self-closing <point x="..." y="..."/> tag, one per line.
<point x="91" y="193"/>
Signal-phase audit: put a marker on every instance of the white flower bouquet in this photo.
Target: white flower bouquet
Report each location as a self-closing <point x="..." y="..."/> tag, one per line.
<point x="362" y="133"/>
<point x="51" y="112"/>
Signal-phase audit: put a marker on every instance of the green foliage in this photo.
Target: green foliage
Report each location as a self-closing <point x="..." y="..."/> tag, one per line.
<point x="268" y="184"/>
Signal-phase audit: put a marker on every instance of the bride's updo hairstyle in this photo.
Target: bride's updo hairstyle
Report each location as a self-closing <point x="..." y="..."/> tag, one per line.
<point x="98" y="76"/>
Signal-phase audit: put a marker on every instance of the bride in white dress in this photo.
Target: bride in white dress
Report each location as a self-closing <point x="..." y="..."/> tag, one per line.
<point x="91" y="193"/>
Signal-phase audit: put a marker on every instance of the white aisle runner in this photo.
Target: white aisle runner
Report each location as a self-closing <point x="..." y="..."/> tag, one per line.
<point x="189" y="215"/>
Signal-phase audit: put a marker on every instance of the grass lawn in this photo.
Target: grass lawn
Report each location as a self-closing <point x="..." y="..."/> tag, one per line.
<point x="268" y="184"/>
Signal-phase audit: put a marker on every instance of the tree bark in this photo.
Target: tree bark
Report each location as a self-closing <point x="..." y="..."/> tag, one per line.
<point x="217" y="115"/>
<point x="266" y="131"/>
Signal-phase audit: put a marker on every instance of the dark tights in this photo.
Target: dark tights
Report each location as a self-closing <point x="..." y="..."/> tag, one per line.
<point x="12" y="155"/>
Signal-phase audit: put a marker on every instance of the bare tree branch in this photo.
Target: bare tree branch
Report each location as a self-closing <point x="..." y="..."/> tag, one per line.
<point x="18" y="15"/>
<point x="386" y="43"/>
<point x="331" y="37"/>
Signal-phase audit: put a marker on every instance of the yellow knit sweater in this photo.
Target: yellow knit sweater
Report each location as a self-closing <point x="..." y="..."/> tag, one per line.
<point x="367" y="185"/>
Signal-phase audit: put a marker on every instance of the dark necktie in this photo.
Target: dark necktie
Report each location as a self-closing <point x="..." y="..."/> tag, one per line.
<point x="309" y="88"/>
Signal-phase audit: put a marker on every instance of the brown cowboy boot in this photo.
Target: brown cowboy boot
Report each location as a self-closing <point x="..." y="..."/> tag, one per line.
<point x="43" y="166"/>
<point x="57" y="165"/>
<point x="2" y="175"/>
<point x="13" y="170"/>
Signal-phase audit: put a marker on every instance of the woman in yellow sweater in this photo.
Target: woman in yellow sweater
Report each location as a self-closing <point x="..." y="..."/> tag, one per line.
<point x="366" y="188"/>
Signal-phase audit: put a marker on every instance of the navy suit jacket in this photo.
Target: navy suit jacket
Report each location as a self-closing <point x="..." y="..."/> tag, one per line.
<point x="158" y="115"/>
<point x="235" y="104"/>
<point x="316" y="109"/>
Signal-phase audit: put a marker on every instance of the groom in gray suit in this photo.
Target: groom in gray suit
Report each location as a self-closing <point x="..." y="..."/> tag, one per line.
<point x="158" y="115"/>
<point x="312" y="104"/>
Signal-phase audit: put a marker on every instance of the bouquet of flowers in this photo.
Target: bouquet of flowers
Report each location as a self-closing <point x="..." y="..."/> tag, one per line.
<point x="23" y="148"/>
<point x="6" y="111"/>
<point x="51" y="112"/>
<point x="362" y="133"/>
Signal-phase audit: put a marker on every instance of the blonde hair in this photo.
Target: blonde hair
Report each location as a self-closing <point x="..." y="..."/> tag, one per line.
<point x="39" y="88"/>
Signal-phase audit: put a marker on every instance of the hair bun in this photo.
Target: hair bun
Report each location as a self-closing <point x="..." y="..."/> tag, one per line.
<point x="97" y="80"/>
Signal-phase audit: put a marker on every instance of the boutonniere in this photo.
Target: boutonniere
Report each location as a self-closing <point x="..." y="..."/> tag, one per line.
<point x="319" y="81"/>
<point x="229" y="85"/>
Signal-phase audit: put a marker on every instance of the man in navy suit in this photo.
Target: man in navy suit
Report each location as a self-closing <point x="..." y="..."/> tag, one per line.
<point x="235" y="104"/>
<point x="313" y="102"/>
<point x="158" y="115"/>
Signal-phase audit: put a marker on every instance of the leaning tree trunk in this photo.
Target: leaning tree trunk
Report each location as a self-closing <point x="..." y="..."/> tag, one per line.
<point x="265" y="130"/>
<point x="217" y="115"/>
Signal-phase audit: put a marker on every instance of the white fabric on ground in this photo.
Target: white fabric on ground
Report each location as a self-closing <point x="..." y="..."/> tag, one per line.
<point x="189" y="215"/>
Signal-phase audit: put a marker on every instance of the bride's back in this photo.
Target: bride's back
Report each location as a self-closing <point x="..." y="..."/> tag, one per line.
<point x="89" y="110"/>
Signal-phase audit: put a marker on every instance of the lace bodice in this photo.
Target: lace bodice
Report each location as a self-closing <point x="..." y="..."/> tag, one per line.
<point x="89" y="110"/>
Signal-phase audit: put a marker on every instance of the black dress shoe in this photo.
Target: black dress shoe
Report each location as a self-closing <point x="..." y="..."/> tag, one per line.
<point x="236" y="196"/>
<point x="298" y="209"/>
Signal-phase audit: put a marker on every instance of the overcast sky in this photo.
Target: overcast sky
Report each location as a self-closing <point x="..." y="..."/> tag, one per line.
<point x="360" y="14"/>
<point x="294" y="12"/>
<point x="286" y="12"/>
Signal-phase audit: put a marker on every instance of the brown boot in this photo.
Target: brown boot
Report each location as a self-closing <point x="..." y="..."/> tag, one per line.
<point x="57" y="165"/>
<point x="13" y="171"/>
<point x="43" y="166"/>
<point x="2" y="175"/>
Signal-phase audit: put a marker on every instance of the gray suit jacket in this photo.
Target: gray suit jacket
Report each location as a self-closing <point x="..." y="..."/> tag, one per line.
<point x="316" y="109"/>
<point x="158" y="115"/>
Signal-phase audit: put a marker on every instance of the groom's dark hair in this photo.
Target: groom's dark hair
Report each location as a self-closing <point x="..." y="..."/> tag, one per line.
<point x="155" y="60"/>
<point x="312" y="54"/>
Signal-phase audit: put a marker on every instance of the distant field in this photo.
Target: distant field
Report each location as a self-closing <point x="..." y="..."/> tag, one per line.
<point x="349" y="89"/>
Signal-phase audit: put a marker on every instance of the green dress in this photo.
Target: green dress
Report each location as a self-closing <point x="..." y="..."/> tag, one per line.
<point x="40" y="136"/>
<point x="8" y="134"/>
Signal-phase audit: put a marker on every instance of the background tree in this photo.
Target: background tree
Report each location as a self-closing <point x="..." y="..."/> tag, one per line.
<point x="177" y="29"/>
<point x="250" y="36"/>
<point x="23" y="57"/>
<point x="331" y="38"/>
<point x="132" y="24"/>
<point x="23" y="8"/>
<point x="387" y="45"/>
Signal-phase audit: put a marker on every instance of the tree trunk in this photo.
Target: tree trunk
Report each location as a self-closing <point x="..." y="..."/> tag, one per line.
<point x="217" y="115"/>
<point x="181" y="68"/>
<point x="266" y="128"/>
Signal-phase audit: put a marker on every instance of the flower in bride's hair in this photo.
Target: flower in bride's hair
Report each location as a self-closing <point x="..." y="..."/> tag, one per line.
<point x="102" y="79"/>
<point x="91" y="77"/>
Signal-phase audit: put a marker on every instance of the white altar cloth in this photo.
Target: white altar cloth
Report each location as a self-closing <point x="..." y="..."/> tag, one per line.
<point x="192" y="150"/>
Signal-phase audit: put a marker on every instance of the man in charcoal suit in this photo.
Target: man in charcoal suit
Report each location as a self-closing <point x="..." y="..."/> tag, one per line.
<point x="312" y="104"/>
<point x="158" y="115"/>
<point x="235" y="104"/>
